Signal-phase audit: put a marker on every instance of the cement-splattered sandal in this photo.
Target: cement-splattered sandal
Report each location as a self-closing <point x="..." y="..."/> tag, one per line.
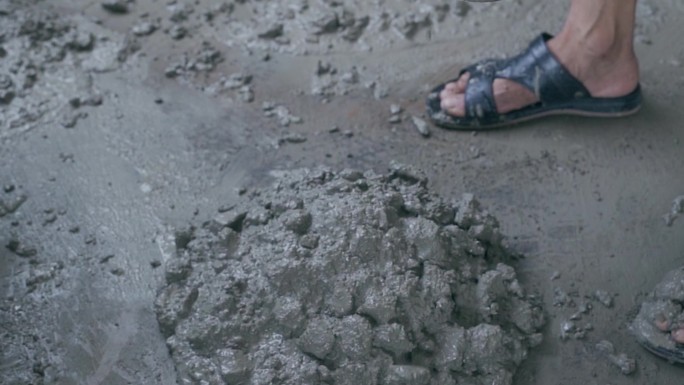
<point x="536" y="68"/>
<point x="664" y="348"/>
<point x="659" y="315"/>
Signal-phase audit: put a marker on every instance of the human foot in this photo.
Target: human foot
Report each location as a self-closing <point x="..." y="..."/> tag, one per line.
<point x="535" y="83"/>
<point x="659" y="324"/>
<point x="606" y="72"/>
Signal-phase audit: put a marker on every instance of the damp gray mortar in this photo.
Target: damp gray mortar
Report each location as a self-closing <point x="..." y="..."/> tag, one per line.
<point x="343" y="278"/>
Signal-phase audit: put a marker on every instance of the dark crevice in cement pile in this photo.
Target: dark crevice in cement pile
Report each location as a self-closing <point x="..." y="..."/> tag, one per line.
<point x="348" y="278"/>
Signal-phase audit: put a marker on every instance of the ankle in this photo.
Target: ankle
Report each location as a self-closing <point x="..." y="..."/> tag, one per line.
<point x="607" y="66"/>
<point x="604" y="44"/>
<point x="600" y="30"/>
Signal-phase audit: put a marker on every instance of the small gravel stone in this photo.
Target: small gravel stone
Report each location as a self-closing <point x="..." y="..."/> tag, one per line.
<point x="421" y="126"/>
<point x="271" y="32"/>
<point x="115" y="6"/>
<point x="144" y="29"/>
<point x="604" y="297"/>
<point x="177" y="32"/>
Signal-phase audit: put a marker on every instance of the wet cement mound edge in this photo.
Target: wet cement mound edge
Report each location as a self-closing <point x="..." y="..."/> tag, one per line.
<point x="347" y="278"/>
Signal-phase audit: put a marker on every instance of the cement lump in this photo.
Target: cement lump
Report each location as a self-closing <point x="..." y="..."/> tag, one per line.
<point x="346" y="278"/>
<point x="675" y="211"/>
<point x="626" y="364"/>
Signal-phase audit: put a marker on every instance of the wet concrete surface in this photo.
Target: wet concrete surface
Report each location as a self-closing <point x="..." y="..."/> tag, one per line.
<point x="583" y="199"/>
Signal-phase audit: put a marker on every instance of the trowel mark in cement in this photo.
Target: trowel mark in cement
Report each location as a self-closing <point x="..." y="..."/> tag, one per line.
<point x="349" y="278"/>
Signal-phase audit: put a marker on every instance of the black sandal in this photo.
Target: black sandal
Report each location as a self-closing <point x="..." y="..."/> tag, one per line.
<point x="537" y="68"/>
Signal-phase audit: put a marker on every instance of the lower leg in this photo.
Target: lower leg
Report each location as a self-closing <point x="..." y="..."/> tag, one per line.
<point x="595" y="45"/>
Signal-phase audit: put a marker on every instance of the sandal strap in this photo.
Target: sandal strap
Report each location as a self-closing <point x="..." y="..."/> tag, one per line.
<point x="479" y="94"/>
<point x="537" y="69"/>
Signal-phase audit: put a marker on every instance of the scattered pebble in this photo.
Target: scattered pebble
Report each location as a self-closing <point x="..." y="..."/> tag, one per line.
<point x="7" y="208"/>
<point x="292" y="138"/>
<point x="144" y="29"/>
<point x="7" y="92"/>
<point x="271" y="32"/>
<point x="675" y="211"/>
<point x="421" y="126"/>
<point x="626" y="364"/>
<point x="285" y="118"/>
<point x="82" y="41"/>
<point x="246" y="94"/>
<point x="21" y="249"/>
<point x="604" y="298"/>
<point x="177" y="32"/>
<point x="50" y="219"/>
<point x="115" y="6"/>
<point x="225" y="208"/>
<point x="90" y="240"/>
<point x="71" y="118"/>
<point x="569" y="329"/>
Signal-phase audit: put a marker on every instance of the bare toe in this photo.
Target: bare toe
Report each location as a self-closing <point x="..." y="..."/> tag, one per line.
<point x="452" y="88"/>
<point x="454" y="104"/>
<point x="678" y="335"/>
<point x="662" y="323"/>
<point x="458" y="86"/>
<point x="462" y="83"/>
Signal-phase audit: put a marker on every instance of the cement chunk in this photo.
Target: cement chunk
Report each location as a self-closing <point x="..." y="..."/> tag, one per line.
<point x="392" y="338"/>
<point x="318" y="338"/>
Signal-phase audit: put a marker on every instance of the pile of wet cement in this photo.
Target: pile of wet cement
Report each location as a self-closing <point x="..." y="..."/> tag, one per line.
<point x="346" y="278"/>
